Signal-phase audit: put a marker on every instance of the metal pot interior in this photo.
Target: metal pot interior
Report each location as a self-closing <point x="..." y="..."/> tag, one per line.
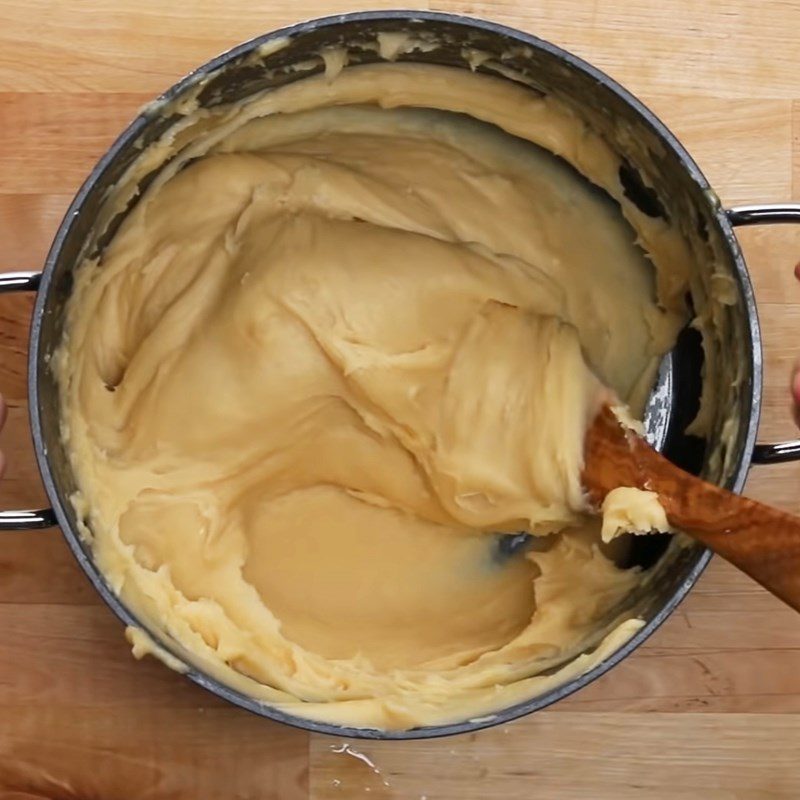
<point x="656" y="173"/>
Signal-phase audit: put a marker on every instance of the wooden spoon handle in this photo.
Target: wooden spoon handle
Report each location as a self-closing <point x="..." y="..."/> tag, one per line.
<point x="761" y="541"/>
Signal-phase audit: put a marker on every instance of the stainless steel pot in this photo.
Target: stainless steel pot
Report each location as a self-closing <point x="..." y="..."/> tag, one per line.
<point x="657" y="160"/>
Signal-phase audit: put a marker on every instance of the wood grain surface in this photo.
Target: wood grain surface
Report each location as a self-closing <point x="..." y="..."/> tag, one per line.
<point x="708" y="708"/>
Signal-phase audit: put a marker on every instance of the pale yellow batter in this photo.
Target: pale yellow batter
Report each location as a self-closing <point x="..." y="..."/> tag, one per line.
<point x="329" y="355"/>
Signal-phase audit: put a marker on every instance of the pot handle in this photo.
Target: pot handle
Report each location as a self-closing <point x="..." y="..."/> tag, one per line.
<point x="769" y="214"/>
<point x="43" y="518"/>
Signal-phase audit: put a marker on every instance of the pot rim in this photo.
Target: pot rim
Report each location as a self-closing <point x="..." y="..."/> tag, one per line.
<point x="263" y="708"/>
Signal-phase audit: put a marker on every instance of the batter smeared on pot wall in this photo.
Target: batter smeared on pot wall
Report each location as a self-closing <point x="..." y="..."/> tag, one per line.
<point x="335" y="348"/>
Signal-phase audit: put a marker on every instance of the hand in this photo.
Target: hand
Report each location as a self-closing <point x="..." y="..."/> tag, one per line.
<point x="796" y="393"/>
<point x="2" y="422"/>
<point x="795" y="385"/>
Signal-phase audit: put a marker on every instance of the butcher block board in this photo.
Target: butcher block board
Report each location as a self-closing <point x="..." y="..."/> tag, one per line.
<point x="708" y="708"/>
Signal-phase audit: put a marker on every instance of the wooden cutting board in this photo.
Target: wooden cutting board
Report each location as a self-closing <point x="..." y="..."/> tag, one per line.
<point x="708" y="708"/>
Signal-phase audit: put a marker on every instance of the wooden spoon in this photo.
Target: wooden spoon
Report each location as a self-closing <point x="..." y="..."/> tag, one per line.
<point x="759" y="540"/>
